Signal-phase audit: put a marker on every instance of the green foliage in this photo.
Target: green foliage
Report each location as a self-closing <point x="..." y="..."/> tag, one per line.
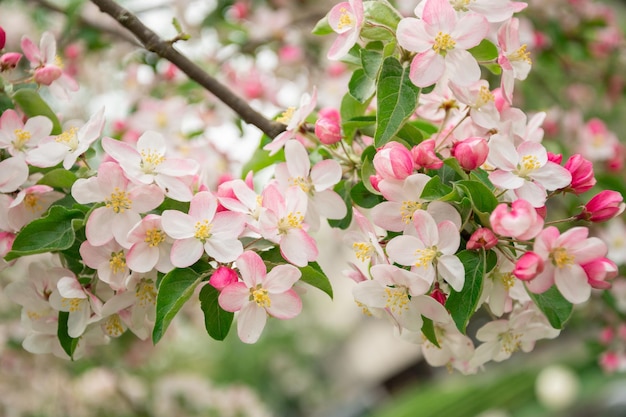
<point x="428" y="330"/>
<point x="50" y="233"/>
<point x="216" y="320"/>
<point x="343" y="189"/>
<point x="58" y="178"/>
<point x="68" y="343"/>
<point x="175" y="289"/>
<point x="435" y="189"/>
<point x="484" y="51"/>
<point x="32" y="105"/>
<point x="362" y="85"/>
<point x="382" y="13"/>
<point x="482" y="199"/>
<point x="556" y="308"/>
<point x="313" y="275"/>
<point x="363" y="197"/>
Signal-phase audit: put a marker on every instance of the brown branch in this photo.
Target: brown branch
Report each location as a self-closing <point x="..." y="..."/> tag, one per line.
<point x="152" y="42"/>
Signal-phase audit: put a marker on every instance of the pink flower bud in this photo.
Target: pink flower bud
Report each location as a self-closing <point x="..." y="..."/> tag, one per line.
<point x="557" y="158"/>
<point x="521" y="222"/>
<point x="439" y="295"/>
<point x="6" y="243"/>
<point x="9" y="60"/>
<point x="223" y="277"/>
<point x="3" y="38"/>
<point x="424" y="155"/>
<point x="528" y="266"/>
<point x="393" y="161"/>
<point x="582" y="174"/>
<point x="328" y="126"/>
<point x="47" y="75"/>
<point x="375" y="180"/>
<point x="482" y="238"/>
<point x="603" y="206"/>
<point x="471" y="152"/>
<point x="599" y="271"/>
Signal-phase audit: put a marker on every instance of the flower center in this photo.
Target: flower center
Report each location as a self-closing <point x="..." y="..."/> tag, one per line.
<point x="203" y="230"/>
<point x="161" y="119"/>
<point x="31" y="201"/>
<point x="260" y="297"/>
<point x="68" y="138"/>
<point x="484" y="97"/>
<point x="72" y="304"/>
<point x="118" y="201"/>
<point x="117" y="262"/>
<point x="507" y="279"/>
<point x="146" y="293"/>
<point x="291" y="221"/>
<point x="285" y="118"/>
<point x="561" y="258"/>
<point x="150" y="160"/>
<point x="397" y="299"/>
<point x="363" y="250"/>
<point x="443" y="43"/>
<point x="21" y="137"/>
<point x="154" y="237"/>
<point x="345" y="19"/>
<point x="425" y="257"/>
<point x="303" y="183"/>
<point x="510" y="341"/>
<point x="528" y="164"/>
<point x="113" y="326"/>
<point x="407" y="209"/>
<point x="521" y="55"/>
<point x="460" y="5"/>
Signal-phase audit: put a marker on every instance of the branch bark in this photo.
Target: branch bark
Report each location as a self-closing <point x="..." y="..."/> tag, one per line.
<point x="152" y="42"/>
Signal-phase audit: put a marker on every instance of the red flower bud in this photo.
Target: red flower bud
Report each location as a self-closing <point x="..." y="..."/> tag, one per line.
<point x="223" y="277"/>
<point x="471" y="152"/>
<point x="603" y="206"/>
<point x="482" y="238"/>
<point x="528" y="266"/>
<point x="582" y="174"/>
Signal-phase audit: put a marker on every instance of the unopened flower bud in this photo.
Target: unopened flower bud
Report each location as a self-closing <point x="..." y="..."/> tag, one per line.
<point x="374" y="181"/>
<point x="557" y="158"/>
<point x="3" y="38"/>
<point x="599" y="271"/>
<point x="47" y="75"/>
<point x="603" y="206"/>
<point x="482" y="238"/>
<point x="328" y="126"/>
<point x="424" y="155"/>
<point x="581" y="169"/>
<point x="471" y="152"/>
<point x="223" y="277"/>
<point x="393" y="161"/>
<point x="9" y="61"/>
<point x="439" y="295"/>
<point x="528" y="266"/>
<point x="522" y="221"/>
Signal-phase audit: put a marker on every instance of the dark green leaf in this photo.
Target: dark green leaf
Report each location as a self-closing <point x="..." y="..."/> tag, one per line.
<point x="396" y="102"/>
<point x="463" y="304"/>
<point x="361" y="87"/>
<point x="428" y="128"/>
<point x="351" y="109"/>
<point x="410" y="134"/>
<point x="362" y="197"/>
<point x="484" y="51"/>
<point x="54" y="232"/>
<point x="372" y="60"/>
<point x="451" y="172"/>
<point x="58" y="178"/>
<point x="482" y="198"/>
<point x="367" y="169"/>
<point x="428" y="329"/>
<point x="176" y="287"/>
<point x="313" y="275"/>
<point x="556" y="308"/>
<point x="216" y="320"/>
<point x="32" y="105"/>
<point x="68" y="343"/>
<point x="435" y="189"/>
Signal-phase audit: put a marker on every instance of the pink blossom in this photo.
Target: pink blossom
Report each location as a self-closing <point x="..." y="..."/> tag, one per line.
<point x="110" y="262"/>
<point x="521" y="222"/>
<point x="393" y="161"/>
<point x="13" y="173"/>
<point x="328" y="126"/>
<point x="597" y="142"/>
<point x="346" y="19"/>
<point x="482" y="238"/>
<point x="123" y="200"/>
<point x="294" y="119"/>
<point x="513" y="57"/>
<point x="471" y="152"/>
<point x="203" y="230"/>
<point x="528" y="266"/>
<point x="424" y="155"/>
<point x="603" y="206"/>
<point x="3" y="38"/>
<point x="364" y="241"/>
<point x="150" y="246"/>
<point x="563" y="254"/>
<point x="581" y="169"/>
<point x="480" y="101"/>
<point x="30" y="203"/>
<point x="599" y="271"/>
<point x="19" y="137"/>
<point x="223" y="277"/>
<point x="9" y="61"/>
<point x="441" y="40"/>
<point x="260" y="294"/>
<point x="82" y="305"/>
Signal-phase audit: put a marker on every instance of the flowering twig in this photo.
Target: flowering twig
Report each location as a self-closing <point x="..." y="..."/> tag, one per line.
<point x="152" y="42"/>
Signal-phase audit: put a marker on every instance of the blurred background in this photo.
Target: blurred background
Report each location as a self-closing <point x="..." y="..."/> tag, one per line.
<point x="331" y="361"/>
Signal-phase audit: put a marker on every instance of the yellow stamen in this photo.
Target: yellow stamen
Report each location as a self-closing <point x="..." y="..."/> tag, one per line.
<point x="510" y="341"/>
<point x="528" y="164"/>
<point x="407" y="210"/>
<point x="364" y="250"/>
<point x="561" y="258"/>
<point x="364" y="308"/>
<point x="521" y="55"/>
<point x="146" y="293"/>
<point x="154" y="237"/>
<point x="68" y="138"/>
<point x="150" y="160"/>
<point x="118" y="201"/>
<point x="117" y="262"/>
<point x="113" y="326"/>
<point x="31" y="201"/>
<point x="484" y="97"/>
<point x="260" y="297"/>
<point x="285" y="118"/>
<point x="72" y="304"/>
<point x="425" y="257"/>
<point x="304" y="184"/>
<point x="397" y="300"/>
<point x="203" y="230"/>
<point x="443" y="43"/>
<point x="21" y="137"/>
<point x="292" y="221"/>
<point x="507" y="279"/>
<point x="345" y="20"/>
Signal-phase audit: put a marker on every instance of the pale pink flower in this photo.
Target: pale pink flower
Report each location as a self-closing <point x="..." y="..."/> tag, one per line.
<point x="239" y="197"/>
<point x="441" y="40"/>
<point x="365" y="241"/>
<point x="346" y="19"/>
<point x="203" y="230"/>
<point x="430" y="250"/>
<point x="260" y="294"/>
<point x="13" y="173"/>
<point x="30" y="203"/>
<point x="526" y="170"/>
<point x="494" y="10"/>
<point x="521" y="222"/>
<point x="109" y="260"/>
<point x="123" y="200"/>
<point x="597" y="142"/>
<point x="147" y="163"/>
<point x="68" y="146"/>
<point x="18" y="137"/>
<point x="47" y="66"/>
<point x="513" y="57"/>
<point x="563" y="254"/>
<point x="316" y="182"/>
<point x="614" y="234"/>
<point x="294" y="119"/>
<point x="150" y="246"/>
<point x="480" y="101"/>
<point x="283" y="223"/>
<point x="501" y="289"/>
<point x="83" y="306"/>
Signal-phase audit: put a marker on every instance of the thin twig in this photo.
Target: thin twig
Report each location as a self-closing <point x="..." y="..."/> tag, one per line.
<point x="152" y="42"/>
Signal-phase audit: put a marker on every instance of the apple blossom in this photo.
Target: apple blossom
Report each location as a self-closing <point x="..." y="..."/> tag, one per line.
<point x="514" y="59"/>
<point x="599" y="271"/>
<point x="150" y="246"/>
<point x="223" y="277"/>
<point x="30" y="203"/>
<point x="83" y="306"/>
<point x="109" y="260"/>
<point x="482" y="238"/>
<point x="19" y="137"/>
<point x="480" y="102"/>
<point x="393" y="161"/>
<point x="424" y="155"/>
<point x="522" y="221"/>
<point x="328" y="126"/>
<point x="471" y="152"/>
<point x="9" y="61"/>
<point x="528" y="266"/>
<point x="345" y="18"/>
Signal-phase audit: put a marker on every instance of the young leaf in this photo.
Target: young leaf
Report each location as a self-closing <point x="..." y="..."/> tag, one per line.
<point x="262" y="159"/>
<point x="435" y="189"/>
<point x="68" y="343"/>
<point x="428" y="329"/>
<point x="350" y="109"/>
<point x="313" y="275"/>
<point x="464" y="303"/>
<point x="482" y="198"/>
<point x="322" y="27"/>
<point x="381" y="12"/>
<point x="54" y="232"/>
<point x="58" y="178"/>
<point x="556" y="308"/>
<point x="176" y="287"/>
<point x="484" y="51"/>
<point x="32" y="105"/>
<point x="397" y="100"/>
<point x="216" y="320"/>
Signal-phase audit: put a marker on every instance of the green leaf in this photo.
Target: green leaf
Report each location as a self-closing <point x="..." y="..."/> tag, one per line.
<point x="175" y="289"/>
<point x="313" y="275"/>
<point x="428" y="329"/>
<point x="353" y="110"/>
<point x="68" y="343"/>
<point x="556" y="308"/>
<point x="428" y="128"/>
<point x="32" y="105"/>
<point x="484" y="51"/>
<point x="58" y="178"/>
<point x="482" y="198"/>
<point x="367" y="168"/>
<point x="435" y="189"/>
<point x="362" y="197"/>
<point x="411" y="134"/>
<point x="322" y="27"/>
<point x="381" y="12"/>
<point x="451" y="172"/>
<point x="361" y="87"/>
<point x="217" y="321"/>
<point x="262" y="159"/>
<point x="463" y="304"/>
<point x="397" y="100"/>
<point x="372" y="59"/>
<point x="53" y="232"/>
<point x="343" y="189"/>
<point x="495" y="69"/>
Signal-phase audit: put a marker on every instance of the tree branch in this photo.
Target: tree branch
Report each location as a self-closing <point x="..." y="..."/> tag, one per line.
<point x="152" y="42"/>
